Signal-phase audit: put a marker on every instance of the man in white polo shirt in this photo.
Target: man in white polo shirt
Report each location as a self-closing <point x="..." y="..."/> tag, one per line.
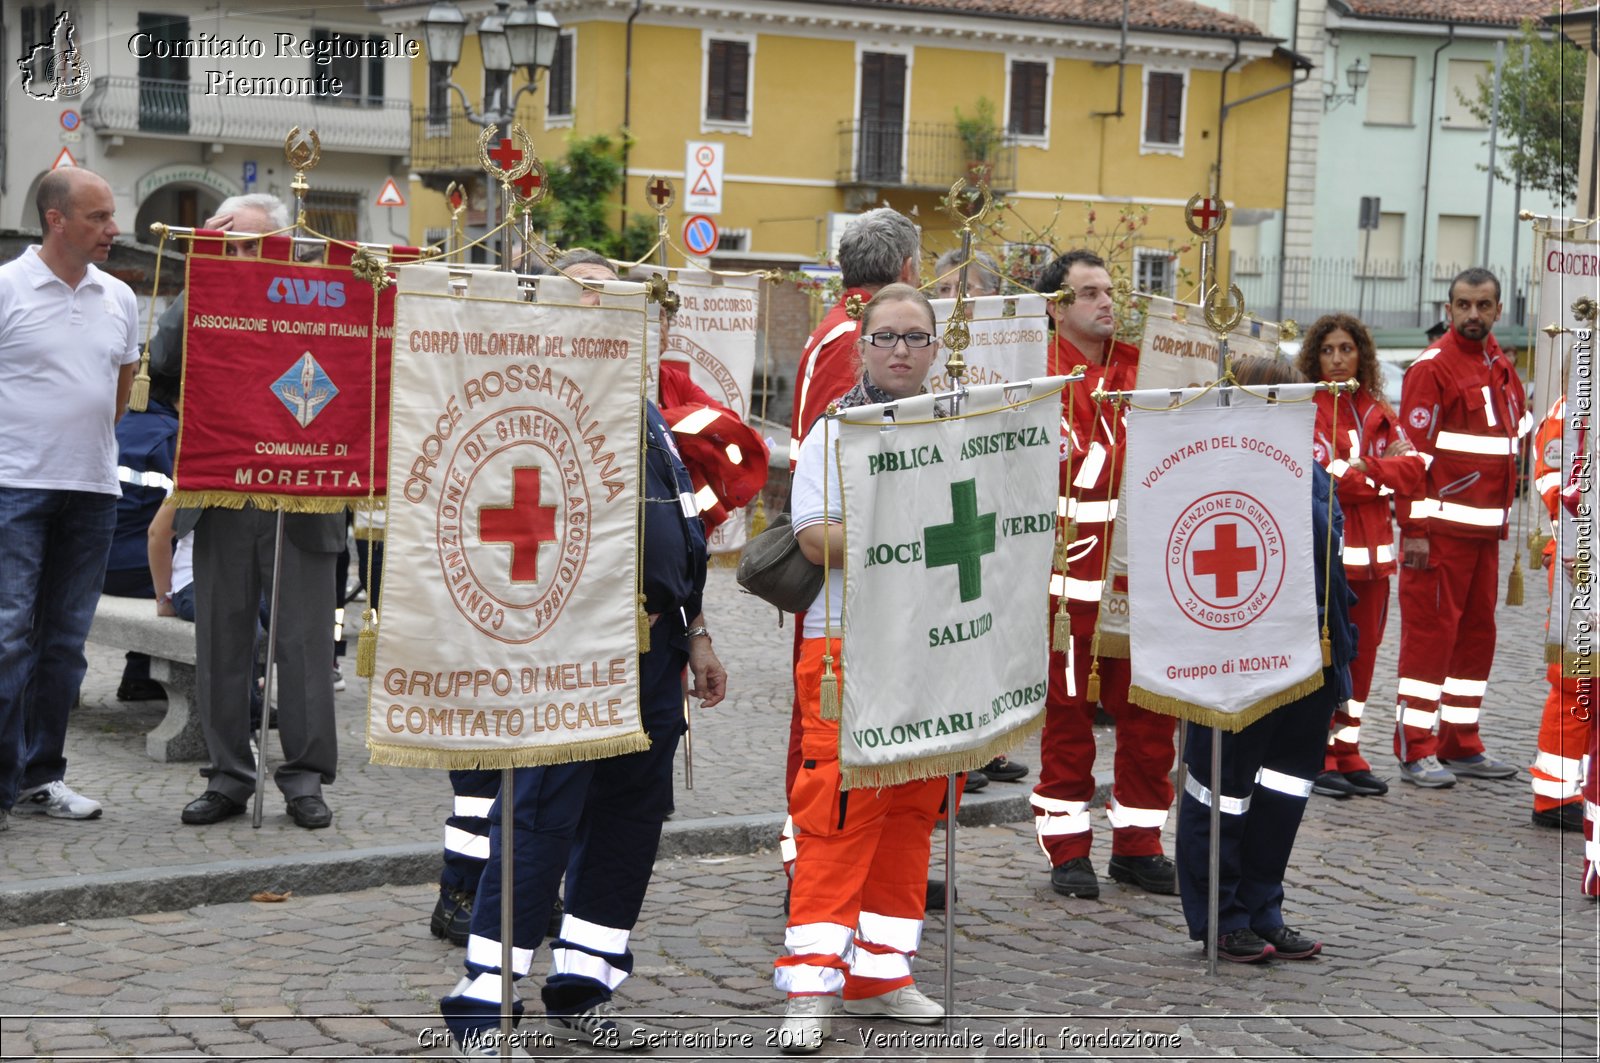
<point x="68" y="344"/>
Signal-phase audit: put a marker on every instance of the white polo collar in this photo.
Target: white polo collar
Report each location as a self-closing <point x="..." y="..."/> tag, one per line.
<point x="41" y="275"/>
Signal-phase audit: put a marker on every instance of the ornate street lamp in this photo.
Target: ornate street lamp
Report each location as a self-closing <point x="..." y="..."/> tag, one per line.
<point x="1355" y="75"/>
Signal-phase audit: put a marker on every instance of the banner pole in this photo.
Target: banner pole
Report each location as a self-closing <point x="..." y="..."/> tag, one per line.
<point x="267" y="684"/>
<point x="949" y="902"/>
<point x="508" y="803"/>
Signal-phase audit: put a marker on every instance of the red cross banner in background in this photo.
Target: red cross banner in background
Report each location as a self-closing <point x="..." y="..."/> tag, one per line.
<point x="1226" y="560"/>
<point x="525" y="524"/>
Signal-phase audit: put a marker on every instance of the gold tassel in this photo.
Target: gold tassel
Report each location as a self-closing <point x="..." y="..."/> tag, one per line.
<point x="1514" y="584"/>
<point x="367" y="647"/>
<point x="139" y="396"/>
<point x="1061" y="636"/>
<point x="1091" y="689"/>
<point x="1067" y="536"/>
<point x="758" y="518"/>
<point x="1327" y="647"/>
<point x="644" y="627"/>
<point x="1536" y="543"/>
<point x="829" y="707"/>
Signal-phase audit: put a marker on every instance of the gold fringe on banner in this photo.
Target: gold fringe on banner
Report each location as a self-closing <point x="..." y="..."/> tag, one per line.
<point x="1552" y="653"/>
<point x="870" y="777"/>
<point x="1206" y="716"/>
<point x="1113" y="644"/>
<point x="368" y="534"/>
<point x="520" y="757"/>
<point x="287" y="503"/>
<point x="1514" y="581"/>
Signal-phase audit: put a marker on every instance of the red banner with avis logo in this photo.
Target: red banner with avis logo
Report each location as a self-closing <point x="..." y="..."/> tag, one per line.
<point x="285" y="400"/>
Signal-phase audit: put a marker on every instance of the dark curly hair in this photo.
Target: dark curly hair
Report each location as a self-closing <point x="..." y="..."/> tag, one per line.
<point x="1369" y="374"/>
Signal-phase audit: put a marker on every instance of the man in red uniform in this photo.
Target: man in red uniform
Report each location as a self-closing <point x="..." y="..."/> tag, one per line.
<point x="1462" y="407"/>
<point x="1564" y="727"/>
<point x="1142" y="791"/>
<point x="877" y="248"/>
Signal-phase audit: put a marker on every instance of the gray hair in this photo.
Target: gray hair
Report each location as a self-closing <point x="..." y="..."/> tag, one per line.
<point x="274" y="208"/>
<point x="875" y="246"/>
<point x="580" y="256"/>
<point x="982" y="273"/>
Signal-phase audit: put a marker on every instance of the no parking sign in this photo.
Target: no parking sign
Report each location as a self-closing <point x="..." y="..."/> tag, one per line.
<point x="700" y="235"/>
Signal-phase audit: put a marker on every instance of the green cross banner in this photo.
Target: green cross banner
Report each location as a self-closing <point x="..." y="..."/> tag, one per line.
<point x="950" y="523"/>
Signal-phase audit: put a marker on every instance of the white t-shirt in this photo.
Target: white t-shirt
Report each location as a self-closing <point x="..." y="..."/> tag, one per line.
<point x="806" y="509"/>
<point x="183" y="563"/>
<point x="61" y="351"/>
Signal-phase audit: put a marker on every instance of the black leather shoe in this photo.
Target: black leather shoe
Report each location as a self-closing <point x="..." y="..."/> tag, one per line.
<point x="1153" y="874"/>
<point x="452" y="916"/>
<point x="1290" y="944"/>
<point x="210" y="807"/>
<point x="141" y="690"/>
<point x="1333" y="784"/>
<point x="976" y="780"/>
<point x="1001" y="769"/>
<point x="310" y="811"/>
<point x="1562" y="817"/>
<point x="1075" y="878"/>
<point x="1366" y="784"/>
<point x="1244" y="946"/>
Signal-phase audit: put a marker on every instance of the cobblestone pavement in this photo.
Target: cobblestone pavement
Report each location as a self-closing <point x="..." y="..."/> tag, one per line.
<point x="1454" y="928"/>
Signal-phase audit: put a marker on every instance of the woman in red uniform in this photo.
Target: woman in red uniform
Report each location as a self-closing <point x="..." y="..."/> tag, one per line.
<point x="1359" y="441"/>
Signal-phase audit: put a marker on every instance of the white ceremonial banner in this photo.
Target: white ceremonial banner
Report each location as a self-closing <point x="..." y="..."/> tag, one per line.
<point x="1566" y="270"/>
<point x="1574" y="623"/>
<point x="1221" y="586"/>
<point x="1009" y="340"/>
<point x="1178" y="350"/>
<point x="717" y="331"/>
<point x="949" y="527"/>
<point x="509" y="635"/>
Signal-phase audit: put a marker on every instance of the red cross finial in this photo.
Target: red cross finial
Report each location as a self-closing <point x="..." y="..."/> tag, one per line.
<point x="524" y="524"/>
<point x="1206" y="211"/>
<point x="660" y="192"/>
<point x="506" y="155"/>
<point x="1205" y="214"/>
<point x="1226" y="560"/>
<point x="529" y="185"/>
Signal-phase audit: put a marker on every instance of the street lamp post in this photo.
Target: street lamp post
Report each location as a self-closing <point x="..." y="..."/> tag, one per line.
<point x="1355" y="75"/>
<point x="525" y="38"/>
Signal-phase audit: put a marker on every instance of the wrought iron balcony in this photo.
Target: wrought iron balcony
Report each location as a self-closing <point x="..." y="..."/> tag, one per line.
<point x="925" y="155"/>
<point x="152" y="107"/>
<point x="444" y="144"/>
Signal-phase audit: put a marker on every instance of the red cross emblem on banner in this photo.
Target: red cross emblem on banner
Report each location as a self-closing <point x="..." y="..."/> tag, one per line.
<point x="1205" y="215"/>
<point x="1226" y="560"/>
<point x="506" y="155"/>
<point x="660" y="191"/>
<point x="525" y="524"/>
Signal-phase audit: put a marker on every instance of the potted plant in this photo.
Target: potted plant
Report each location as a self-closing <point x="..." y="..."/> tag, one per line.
<point x="981" y="136"/>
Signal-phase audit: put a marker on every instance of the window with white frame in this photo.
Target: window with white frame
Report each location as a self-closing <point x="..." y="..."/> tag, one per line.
<point x="1165" y="93"/>
<point x="558" y="82"/>
<point x="1027" y="103"/>
<point x="1461" y="80"/>
<point x="728" y="71"/>
<point x="1391" y="83"/>
<point x="1457" y="242"/>
<point x="1382" y="255"/>
<point x="1154" y="271"/>
<point x="361" y="79"/>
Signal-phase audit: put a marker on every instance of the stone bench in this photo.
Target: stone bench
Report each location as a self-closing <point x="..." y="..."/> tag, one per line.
<point x="132" y="624"/>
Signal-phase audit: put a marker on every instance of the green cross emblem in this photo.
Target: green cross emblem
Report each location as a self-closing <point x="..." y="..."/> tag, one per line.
<point x="963" y="541"/>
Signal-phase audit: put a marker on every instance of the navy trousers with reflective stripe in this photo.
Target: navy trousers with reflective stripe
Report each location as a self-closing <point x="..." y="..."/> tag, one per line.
<point x="1255" y="844"/>
<point x="461" y="870"/>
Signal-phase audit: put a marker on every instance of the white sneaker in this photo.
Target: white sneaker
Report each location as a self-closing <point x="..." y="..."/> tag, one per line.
<point x="338" y="678"/>
<point x="807" y="1021"/>
<point x="58" y="800"/>
<point x="908" y="1004"/>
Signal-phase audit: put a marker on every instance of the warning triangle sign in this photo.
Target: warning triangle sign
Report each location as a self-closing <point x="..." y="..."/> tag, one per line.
<point x="390" y="196"/>
<point x="703" y="185"/>
<point x="63" y="159"/>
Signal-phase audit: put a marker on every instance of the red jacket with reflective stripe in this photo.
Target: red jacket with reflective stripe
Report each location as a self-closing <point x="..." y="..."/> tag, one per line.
<point x="828" y="369"/>
<point x="720" y="451"/>
<point x="1365" y="429"/>
<point x="1096" y="465"/>
<point x="1459" y="395"/>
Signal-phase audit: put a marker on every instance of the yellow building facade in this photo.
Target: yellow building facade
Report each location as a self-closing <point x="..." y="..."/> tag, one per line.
<point x="817" y="109"/>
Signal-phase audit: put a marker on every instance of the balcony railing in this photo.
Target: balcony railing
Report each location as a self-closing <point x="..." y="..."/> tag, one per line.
<point x="447" y="142"/>
<point x="915" y="155"/>
<point x="183" y="109"/>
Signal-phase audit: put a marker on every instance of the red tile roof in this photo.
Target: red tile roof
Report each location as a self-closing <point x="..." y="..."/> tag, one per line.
<point x="1480" y="12"/>
<point x="1181" y="15"/>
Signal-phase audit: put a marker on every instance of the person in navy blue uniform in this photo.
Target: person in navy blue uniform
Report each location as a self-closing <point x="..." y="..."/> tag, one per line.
<point x="598" y="822"/>
<point x="1267" y="768"/>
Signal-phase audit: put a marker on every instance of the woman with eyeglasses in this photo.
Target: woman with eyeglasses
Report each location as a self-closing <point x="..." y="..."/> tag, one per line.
<point x="1360" y="442"/>
<point x="861" y="869"/>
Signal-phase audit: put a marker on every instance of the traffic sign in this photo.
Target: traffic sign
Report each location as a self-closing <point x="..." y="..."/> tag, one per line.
<point x="390" y="195"/>
<point x="70" y="120"/>
<point x="702" y="177"/>
<point x="700" y="235"/>
<point x="63" y="158"/>
<point x="249" y="172"/>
